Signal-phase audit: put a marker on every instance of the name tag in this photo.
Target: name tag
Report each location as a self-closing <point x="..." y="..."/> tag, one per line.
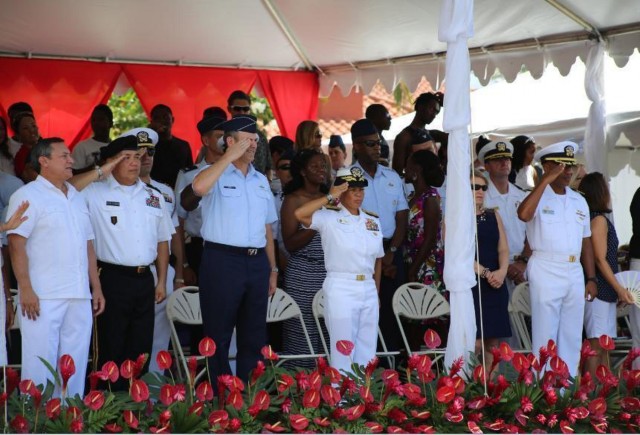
<point x="113" y="203"/>
<point x="229" y="187"/>
<point x="548" y="211"/>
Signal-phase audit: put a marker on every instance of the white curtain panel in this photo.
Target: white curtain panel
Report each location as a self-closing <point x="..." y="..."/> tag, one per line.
<point x="595" y="148"/>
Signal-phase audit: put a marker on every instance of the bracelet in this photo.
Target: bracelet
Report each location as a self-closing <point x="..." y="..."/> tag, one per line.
<point x="180" y="280"/>
<point x="100" y="173"/>
<point x="484" y="273"/>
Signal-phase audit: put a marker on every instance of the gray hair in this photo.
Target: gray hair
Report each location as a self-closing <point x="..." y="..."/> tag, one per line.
<point x="42" y="149"/>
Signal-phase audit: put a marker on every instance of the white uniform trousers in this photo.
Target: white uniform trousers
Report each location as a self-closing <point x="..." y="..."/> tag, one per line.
<point x="351" y="313"/>
<point x="514" y="340"/>
<point x="3" y="320"/>
<point x="635" y="317"/>
<point x="63" y="327"/>
<point x="161" y="328"/>
<point x="557" y="307"/>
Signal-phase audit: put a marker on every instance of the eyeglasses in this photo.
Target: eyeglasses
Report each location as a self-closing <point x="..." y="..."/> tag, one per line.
<point x="372" y="143"/>
<point x="477" y="187"/>
<point x="245" y="109"/>
<point x="284" y="167"/>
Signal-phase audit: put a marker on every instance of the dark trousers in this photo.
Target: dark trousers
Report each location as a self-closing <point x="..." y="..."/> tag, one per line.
<point x="193" y="253"/>
<point x="125" y="328"/>
<point x="234" y="291"/>
<point x="388" y="323"/>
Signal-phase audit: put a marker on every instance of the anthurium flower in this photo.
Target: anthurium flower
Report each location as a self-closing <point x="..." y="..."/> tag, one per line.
<point x="196" y="408"/>
<point x="506" y="352"/>
<point x="113" y="428"/>
<point x="235" y="399"/>
<point x="20" y="424"/>
<point x="445" y="394"/>
<point x="139" y="391"/>
<point x="374" y="427"/>
<point x="473" y="427"/>
<point x="207" y="347"/>
<point x="330" y="395"/>
<point x="355" y="412"/>
<point x="365" y="394"/>
<point x="130" y="419"/>
<point x="166" y="394"/>
<point x="276" y="427"/>
<point x="27" y="386"/>
<point x="315" y="380"/>
<point x="606" y="342"/>
<point x="204" y="391"/>
<point x="262" y="400"/>
<point x="284" y="383"/>
<point x="220" y="418"/>
<point x="311" y="398"/>
<point x="94" y="400"/>
<point x="298" y="422"/>
<point x="126" y="369"/>
<point x="257" y="372"/>
<point x="322" y="422"/>
<point x="598" y="407"/>
<point x="345" y="347"/>
<point x="432" y="339"/>
<point x="110" y="372"/>
<point x="269" y="354"/>
<point x="67" y="368"/>
<point x="164" y="360"/>
<point x="52" y="408"/>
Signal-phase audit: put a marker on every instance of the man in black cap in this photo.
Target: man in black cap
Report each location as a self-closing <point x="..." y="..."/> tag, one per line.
<point x="172" y="153"/>
<point x="427" y="107"/>
<point x="337" y="153"/>
<point x="385" y="197"/>
<point x="132" y="232"/>
<point x="238" y="264"/>
<point x="381" y="118"/>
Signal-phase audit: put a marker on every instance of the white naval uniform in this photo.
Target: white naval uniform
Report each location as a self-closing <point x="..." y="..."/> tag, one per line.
<point x="556" y="280"/>
<point x="161" y="329"/>
<point x="507" y="207"/>
<point x="351" y="245"/>
<point x="57" y="231"/>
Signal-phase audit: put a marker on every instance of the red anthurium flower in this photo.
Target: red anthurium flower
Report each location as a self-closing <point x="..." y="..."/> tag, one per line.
<point x="20" y="424"/>
<point x="139" y="391"/>
<point x="53" y="408"/>
<point x="166" y="394"/>
<point x="76" y="425"/>
<point x="458" y="384"/>
<point x="164" y="360"/>
<point x="315" y="380"/>
<point x="598" y="407"/>
<point x="506" y="352"/>
<point x="257" y="372"/>
<point x="390" y="377"/>
<point x="94" y="400"/>
<point x="630" y="404"/>
<point x="67" y="368"/>
<point x="322" y="422"/>
<point x="520" y="362"/>
<point x="445" y="394"/>
<point x="262" y="400"/>
<point x="496" y="425"/>
<point x="13" y="379"/>
<point x="477" y="403"/>
<point x="113" y="428"/>
<point x="473" y="427"/>
<point x="395" y="429"/>
<point x="454" y="418"/>
<point x="126" y="369"/>
<point x="196" y="408"/>
<point x="74" y="412"/>
<point x="606" y="342"/>
<point x="600" y="426"/>
<point x="374" y="427"/>
<point x="521" y="417"/>
<point x="110" y="371"/>
<point x="423" y="428"/>
<point x="27" y="387"/>
<point x="365" y="394"/>
<point x="139" y="363"/>
<point x="420" y="415"/>
<point x="284" y="383"/>
<point x="552" y="348"/>
<point x="345" y="347"/>
<point x="355" y="412"/>
<point x="269" y="354"/>
<point x="130" y="419"/>
<point x="164" y="417"/>
<point x="220" y="418"/>
<point x="581" y="412"/>
<point x="311" y="399"/>
<point x="204" y="391"/>
<point x="432" y="339"/>
<point x="298" y="422"/>
<point x="558" y="366"/>
<point x="207" y="347"/>
<point x="276" y="427"/>
<point x="334" y="375"/>
<point x="478" y="374"/>
<point x="330" y="395"/>
<point x="235" y="399"/>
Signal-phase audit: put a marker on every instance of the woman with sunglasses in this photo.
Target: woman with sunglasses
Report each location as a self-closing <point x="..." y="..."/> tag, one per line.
<point x="490" y="294"/>
<point x="305" y="270"/>
<point x="352" y="244"/>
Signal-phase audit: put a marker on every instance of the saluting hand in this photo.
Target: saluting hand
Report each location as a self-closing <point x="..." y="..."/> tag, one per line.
<point x="336" y="191"/>
<point x="238" y="148"/>
<point x="108" y="167"/>
<point x="550" y="176"/>
<point x="17" y="218"/>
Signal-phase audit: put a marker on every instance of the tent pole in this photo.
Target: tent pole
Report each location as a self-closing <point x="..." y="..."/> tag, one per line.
<point x="575" y="17"/>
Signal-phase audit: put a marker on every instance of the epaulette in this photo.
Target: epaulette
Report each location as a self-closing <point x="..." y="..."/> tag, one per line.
<point x="154" y="188"/>
<point x="332" y="207"/>
<point x="492" y="209"/>
<point x="190" y="168"/>
<point x="370" y="213"/>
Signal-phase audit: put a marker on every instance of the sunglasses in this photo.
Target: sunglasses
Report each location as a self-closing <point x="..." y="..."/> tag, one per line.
<point x="372" y="143"/>
<point x="150" y="151"/>
<point x="245" y="109"/>
<point x="285" y="167"/>
<point x="477" y="187"/>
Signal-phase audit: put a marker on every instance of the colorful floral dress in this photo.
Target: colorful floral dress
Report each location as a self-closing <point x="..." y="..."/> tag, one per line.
<point x="430" y="271"/>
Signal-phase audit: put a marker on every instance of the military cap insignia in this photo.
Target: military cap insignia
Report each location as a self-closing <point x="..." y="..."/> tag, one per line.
<point x="568" y="150"/>
<point x="357" y="172"/>
<point x="501" y="146"/>
<point x="143" y="138"/>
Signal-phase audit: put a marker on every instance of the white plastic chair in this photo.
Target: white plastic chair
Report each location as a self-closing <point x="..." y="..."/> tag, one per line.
<point x="318" y="313"/>
<point x="282" y="307"/>
<point x="519" y="309"/>
<point x="419" y="301"/>
<point x="183" y="306"/>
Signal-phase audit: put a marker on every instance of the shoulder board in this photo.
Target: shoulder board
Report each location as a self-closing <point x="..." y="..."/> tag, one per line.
<point x="491" y="209"/>
<point x="190" y="168"/>
<point x="518" y="187"/>
<point x="370" y="213"/>
<point x="151" y="186"/>
<point x="332" y="207"/>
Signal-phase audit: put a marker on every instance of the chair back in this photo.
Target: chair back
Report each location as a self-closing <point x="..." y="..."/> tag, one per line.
<point x="183" y="306"/>
<point x="282" y="307"/>
<point x="419" y="301"/>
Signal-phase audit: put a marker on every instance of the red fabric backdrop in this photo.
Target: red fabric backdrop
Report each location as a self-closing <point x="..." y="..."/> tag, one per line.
<point x="63" y="93"/>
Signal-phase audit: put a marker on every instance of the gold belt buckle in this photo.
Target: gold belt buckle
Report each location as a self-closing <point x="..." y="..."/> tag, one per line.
<point x="141" y="269"/>
<point x="359" y="277"/>
<point x="572" y="258"/>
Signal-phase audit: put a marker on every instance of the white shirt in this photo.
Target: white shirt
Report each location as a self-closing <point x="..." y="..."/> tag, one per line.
<point x="169" y="202"/>
<point x="86" y="153"/>
<point x="192" y="219"/>
<point x="559" y="223"/>
<point x="384" y="196"/>
<point x="525" y="177"/>
<point x="351" y="244"/>
<point x="57" y="232"/>
<point x="129" y="222"/>
<point x="237" y="208"/>
<point x="507" y="206"/>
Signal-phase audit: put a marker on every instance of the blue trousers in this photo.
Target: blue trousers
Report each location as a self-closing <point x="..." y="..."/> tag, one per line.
<point x="234" y="291"/>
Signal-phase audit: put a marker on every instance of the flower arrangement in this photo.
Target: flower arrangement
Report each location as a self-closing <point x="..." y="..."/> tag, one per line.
<point x="520" y="393"/>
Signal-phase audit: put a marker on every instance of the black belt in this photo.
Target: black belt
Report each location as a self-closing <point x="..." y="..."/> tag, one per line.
<point x="234" y="249"/>
<point x="131" y="270"/>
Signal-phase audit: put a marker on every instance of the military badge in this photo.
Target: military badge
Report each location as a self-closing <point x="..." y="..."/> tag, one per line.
<point x="501" y="146"/>
<point x="167" y="198"/>
<point x="114" y="220"/>
<point x="153" y="201"/>
<point x="568" y="150"/>
<point x="372" y="225"/>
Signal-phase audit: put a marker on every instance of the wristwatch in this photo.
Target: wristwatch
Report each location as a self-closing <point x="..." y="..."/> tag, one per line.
<point x="393" y="249"/>
<point x="522" y="258"/>
<point x="329" y="198"/>
<point x="275" y="269"/>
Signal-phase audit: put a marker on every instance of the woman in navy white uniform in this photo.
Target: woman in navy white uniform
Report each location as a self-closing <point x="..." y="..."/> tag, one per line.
<point x="352" y="244"/>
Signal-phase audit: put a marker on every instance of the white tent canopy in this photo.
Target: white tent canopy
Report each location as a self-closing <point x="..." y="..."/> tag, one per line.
<point x="349" y="43"/>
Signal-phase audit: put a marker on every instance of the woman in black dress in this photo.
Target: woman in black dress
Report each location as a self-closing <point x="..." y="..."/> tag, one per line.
<point x="490" y="295"/>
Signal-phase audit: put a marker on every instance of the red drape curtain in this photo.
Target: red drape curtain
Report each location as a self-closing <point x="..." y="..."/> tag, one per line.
<point x="293" y="97"/>
<point x="62" y="93"/>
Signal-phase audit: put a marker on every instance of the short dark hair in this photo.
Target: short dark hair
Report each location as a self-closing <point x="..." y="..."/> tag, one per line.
<point x="105" y="110"/>
<point x="216" y="111"/>
<point x="40" y="149"/>
<point x="238" y="95"/>
<point x="18" y="107"/>
<point x="429" y="163"/>
<point x="374" y="110"/>
<point x="424" y="98"/>
<point x="15" y="122"/>
<point x="482" y="141"/>
<point x="160" y="107"/>
<point x="596" y="192"/>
